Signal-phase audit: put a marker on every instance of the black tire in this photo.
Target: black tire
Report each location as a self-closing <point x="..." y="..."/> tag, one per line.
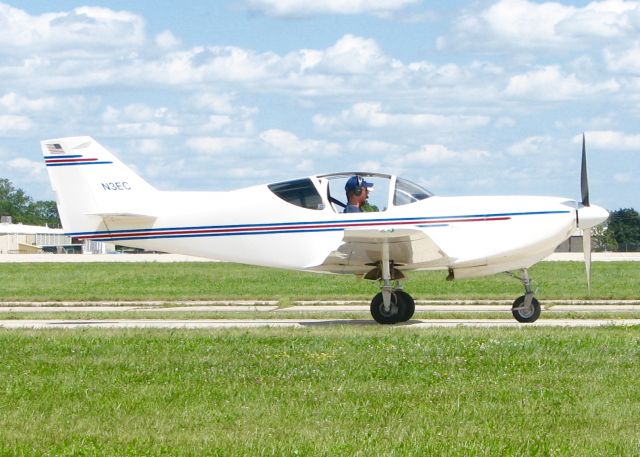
<point x="408" y="306"/>
<point x="525" y="317"/>
<point x="386" y="317"/>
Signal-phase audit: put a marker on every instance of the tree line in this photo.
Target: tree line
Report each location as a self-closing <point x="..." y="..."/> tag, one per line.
<point x="620" y="233"/>
<point x="23" y="209"/>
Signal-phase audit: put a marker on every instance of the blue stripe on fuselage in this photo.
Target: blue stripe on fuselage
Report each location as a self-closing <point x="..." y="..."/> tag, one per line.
<point x="301" y="227"/>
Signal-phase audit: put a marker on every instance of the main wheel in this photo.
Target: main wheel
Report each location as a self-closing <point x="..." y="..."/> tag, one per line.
<point x="386" y="317"/>
<point x="525" y="315"/>
<point x="408" y="305"/>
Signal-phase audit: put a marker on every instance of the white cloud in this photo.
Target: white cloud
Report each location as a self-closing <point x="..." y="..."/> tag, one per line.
<point x="141" y="129"/>
<point x="134" y="112"/>
<point x="371" y="115"/>
<point x="216" y="145"/>
<point x="528" y="24"/>
<point x="350" y="54"/>
<point x="31" y="168"/>
<point x="623" y="178"/>
<point x="11" y="124"/>
<point x="213" y="63"/>
<point x="147" y="146"/>
<point x="298" y="8"/>
<point x="549" y="83"/>
<point x="167" y="40"/>
<point x="290" y="144"/>
<point x="367" y="147"/>
<point x="80" y="29"/>
<point x="610" y="139"/>
<point x="249" y="172"/>
<point x="139" y="120"/>
<point x="431" y="154"/>
<point x="624" y="61"/>
<point x="216" y="103"/>
<point x="14" y="103"/>
<point x="530" y="146"/>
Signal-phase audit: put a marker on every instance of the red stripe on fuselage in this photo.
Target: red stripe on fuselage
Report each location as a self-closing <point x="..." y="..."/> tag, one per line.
<point x="284" y="227"/>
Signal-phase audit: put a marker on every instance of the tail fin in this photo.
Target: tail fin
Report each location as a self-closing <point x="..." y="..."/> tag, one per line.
<point x="94" y="190"/>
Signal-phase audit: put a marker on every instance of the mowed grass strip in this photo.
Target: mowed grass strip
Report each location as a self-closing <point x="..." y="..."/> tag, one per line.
<point x="211" y="281"/>
<point x="321" y="392"/>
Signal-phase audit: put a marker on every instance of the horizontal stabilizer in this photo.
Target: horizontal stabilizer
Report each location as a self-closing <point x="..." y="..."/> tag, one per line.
<point x="125" y="219"/>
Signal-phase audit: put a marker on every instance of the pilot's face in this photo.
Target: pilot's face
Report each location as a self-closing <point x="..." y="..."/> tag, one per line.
<point x="364" y="195"/>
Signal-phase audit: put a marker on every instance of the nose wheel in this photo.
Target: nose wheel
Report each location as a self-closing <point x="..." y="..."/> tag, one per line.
<point x="526" y="312"/>
<point x="526" y="308"/>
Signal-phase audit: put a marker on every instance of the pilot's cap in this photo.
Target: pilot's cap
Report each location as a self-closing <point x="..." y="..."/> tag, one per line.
<point x="356" y="181"/>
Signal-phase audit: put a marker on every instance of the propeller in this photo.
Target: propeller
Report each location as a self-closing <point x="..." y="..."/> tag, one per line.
<point x="584" y="180"/>
<point x="586" y="233"/>
<point x="587" y="215"/>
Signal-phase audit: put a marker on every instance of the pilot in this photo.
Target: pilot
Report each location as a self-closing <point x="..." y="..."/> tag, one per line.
<point x="357" y="190"/>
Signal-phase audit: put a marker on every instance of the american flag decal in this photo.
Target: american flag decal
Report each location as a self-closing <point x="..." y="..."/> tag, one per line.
<point x="55" y="148"/>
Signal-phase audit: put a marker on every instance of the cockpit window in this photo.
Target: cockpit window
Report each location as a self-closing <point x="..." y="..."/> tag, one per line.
<point x="299" y="192"/>
<point x="408" y="192"/>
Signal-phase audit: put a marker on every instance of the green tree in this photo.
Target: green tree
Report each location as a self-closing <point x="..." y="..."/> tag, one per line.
<point x="603" y="239"/>
<point x="624" y="224"/>
<point x="23" y="209"/>
<point x="13" y="202"/>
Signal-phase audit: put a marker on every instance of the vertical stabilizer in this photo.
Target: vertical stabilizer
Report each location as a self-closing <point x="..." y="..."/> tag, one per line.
<point x="92" y="185"/>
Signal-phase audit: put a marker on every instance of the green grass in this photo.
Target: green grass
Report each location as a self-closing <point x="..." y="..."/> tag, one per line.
<point x="210" y="281"/>
<point x="341" y="391"/>
<point x="330" y="391"/>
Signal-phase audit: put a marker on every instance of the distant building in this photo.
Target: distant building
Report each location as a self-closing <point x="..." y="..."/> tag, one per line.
<point x="33" y="239"/>
<point x="573" y="244"/>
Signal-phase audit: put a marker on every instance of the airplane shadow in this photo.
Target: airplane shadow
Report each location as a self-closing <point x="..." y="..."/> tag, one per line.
<point x="354" y="322"/>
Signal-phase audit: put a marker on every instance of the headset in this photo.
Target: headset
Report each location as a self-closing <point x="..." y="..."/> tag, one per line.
<point x="359" y="186"/>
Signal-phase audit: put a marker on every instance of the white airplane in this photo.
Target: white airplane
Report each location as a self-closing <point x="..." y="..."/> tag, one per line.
<point x="300" y="224"/>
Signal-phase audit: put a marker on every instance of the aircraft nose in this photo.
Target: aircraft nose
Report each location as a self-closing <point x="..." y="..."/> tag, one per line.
<point x="590" y="216"/>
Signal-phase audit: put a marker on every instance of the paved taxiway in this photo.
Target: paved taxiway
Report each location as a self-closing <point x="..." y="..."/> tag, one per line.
<point x="478" y="306"/>
<point x="465" y="306"/>
<point x="303" y="323"/>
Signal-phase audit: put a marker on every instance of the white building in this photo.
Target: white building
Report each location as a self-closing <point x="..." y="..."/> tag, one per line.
<point x="33" y="239"/>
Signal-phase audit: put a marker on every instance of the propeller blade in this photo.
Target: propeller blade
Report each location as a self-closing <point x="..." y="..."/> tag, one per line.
<point x="584" y="181"/>
<point x="586" y="248"/>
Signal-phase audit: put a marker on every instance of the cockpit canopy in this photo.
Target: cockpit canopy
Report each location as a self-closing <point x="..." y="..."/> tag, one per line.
<point x="322" y="191"/>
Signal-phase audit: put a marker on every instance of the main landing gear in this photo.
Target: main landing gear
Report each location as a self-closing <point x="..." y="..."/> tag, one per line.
<point x="392" y="304"/>
<point x="526" y="308"/>
<point x="400" y="308"/>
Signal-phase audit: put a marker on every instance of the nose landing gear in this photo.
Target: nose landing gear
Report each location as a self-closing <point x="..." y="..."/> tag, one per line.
<point x="526" y="308"/>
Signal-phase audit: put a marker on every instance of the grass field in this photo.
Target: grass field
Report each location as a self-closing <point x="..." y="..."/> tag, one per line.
<point x="326" y="392"/>
<point x="330" y="391"/>
<point x="210" y="281"/>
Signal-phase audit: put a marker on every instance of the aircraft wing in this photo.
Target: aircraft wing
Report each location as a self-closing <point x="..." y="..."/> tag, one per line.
<point x="361" y="249"/>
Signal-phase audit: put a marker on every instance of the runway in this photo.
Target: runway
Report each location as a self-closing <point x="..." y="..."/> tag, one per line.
<point x="305" y="323"/>
<point x="333" y="306"/>
<point x="306" y="308"/>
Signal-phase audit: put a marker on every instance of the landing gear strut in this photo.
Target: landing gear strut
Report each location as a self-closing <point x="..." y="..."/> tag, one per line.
<point x="392" y="304"/>
<point x="526" y="308"/>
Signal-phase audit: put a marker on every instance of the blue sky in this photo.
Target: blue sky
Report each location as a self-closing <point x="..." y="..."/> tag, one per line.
<point x="464" y="97"/>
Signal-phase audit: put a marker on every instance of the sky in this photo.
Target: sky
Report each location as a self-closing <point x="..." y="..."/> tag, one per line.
<point x="463" y="97"/>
